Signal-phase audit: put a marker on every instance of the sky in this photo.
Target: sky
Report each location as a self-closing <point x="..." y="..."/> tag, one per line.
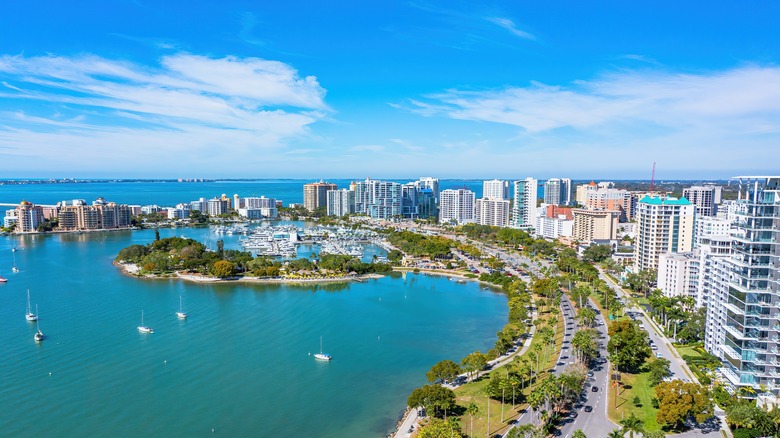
<point x="389" y="89"/>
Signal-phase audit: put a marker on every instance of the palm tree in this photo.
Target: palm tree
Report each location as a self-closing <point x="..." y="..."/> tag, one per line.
<point x="472" y="410"/>
<point x="578" y="434"/>
<point x="616" y="433"/>
<point x="503" y="384"/>
<point x="632" y="424"/>
<point x="514" y="380"/>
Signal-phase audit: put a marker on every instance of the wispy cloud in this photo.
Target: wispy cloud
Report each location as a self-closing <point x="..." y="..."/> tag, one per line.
<point x="745" y="100"/>
<point x="101" y="107"/>
<point x="511" y="27"/>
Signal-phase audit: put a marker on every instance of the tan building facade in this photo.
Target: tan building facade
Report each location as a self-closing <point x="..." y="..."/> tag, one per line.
<point x="664" y="225"/>
<point x="592" y="225"/>
<point x="315" y="195"/>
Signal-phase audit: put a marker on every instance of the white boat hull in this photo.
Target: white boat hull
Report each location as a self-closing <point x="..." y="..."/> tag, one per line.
<point x="144" y="329"/>
<point x="320" y="356"/>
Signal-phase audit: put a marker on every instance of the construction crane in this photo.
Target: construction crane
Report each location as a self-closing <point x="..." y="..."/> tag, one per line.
<point x="652" y="178"/>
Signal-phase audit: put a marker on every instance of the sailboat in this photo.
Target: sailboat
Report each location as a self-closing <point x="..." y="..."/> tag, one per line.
<point x="321" y="355"/>
<point x="30" y="316"/>
<point x="15" y="270"/>
<point x="181" y="313"/>
<point x="3" y="280"/>
<point x="39" y="334"/>
<point x="142" y="328"/>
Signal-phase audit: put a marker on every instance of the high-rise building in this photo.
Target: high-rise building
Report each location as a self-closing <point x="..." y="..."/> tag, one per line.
<point x="557" y="191"/>
<point x="216" y="206"/>
<point x="432" y="184"/>
<point x="705" y="227"/>
<point x="492" y="211"/>
<point x="341" y="202"/>
<point x="663" y="225"/>
<point x="378" y="199"/>
<point x="315" y="195"/>
<point x="409" y="207"/>
<point x="743" y="316"/>
<point x="29" y="216"/>
<point x="590" y="225"/>
<point x="598" y="198"/>
<point x="524" y="208"/>
<point x="706" y="198"/>
<point x="267" y="206"/>
<point x="456" y="206"/>
<point x="495" y="189"/>
<point x="678" y="274"/>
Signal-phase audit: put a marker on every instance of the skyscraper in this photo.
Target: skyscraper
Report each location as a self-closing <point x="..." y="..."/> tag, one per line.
<point x="427" y="182"/>
<point x="663" y="225"/>
<point x="341" y="202"/>
<point x="493" y="212"/>
<point x="495" y="189"/>
<point x="744" y="309"/>
<point x="524" y="208"/>
<point x="706" y="198"/>
<point x="315" y="195"/>
<point x="557" y="191"/>
<point x="456" y="205"/>
<point x="378" y="199"/>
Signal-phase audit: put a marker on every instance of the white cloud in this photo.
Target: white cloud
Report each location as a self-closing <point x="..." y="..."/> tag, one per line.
<point x="741" y="100"/>
<point x="98" y="108"/>
<point x="511" y="27"/>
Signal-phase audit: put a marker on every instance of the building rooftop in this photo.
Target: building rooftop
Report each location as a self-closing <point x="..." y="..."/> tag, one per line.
<point x="664" y="201"/>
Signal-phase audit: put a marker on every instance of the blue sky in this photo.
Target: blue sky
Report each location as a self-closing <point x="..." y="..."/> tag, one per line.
<point x="389" y="89"/>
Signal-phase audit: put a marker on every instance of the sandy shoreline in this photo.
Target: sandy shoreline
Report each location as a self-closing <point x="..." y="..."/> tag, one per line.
<point x="133" y="270"/>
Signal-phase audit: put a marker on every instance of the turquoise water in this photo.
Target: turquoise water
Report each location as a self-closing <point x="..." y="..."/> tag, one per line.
<point x="239" y="366"/>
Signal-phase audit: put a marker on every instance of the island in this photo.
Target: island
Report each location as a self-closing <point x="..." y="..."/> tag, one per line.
<point x="188" y="259"/>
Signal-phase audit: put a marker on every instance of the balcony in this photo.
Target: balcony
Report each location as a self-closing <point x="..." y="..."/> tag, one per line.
<point x="730" y="352"/>
<point x="742" y="336"/>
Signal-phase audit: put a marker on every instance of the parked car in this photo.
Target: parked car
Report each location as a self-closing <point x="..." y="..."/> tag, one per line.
<point x="588" y="408"/>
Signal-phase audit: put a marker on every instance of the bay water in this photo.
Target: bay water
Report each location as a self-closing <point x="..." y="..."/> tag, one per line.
<point x="240" y="365"/>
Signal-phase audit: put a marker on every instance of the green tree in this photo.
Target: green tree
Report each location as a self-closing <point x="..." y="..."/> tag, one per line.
<point x="436" y="399"/>
<point x="474" y="362"/>
<point x="472" y="410"/>
<point x="597" y="253"/>
<point x="679" y="402"/>
<point x="632" y="424"/>
<point x="615" y="433"/>
<point x="579" y="434"/>
<point x="156" y="234"/>
<point x="659" y="368"/>
<point x="444" y="371"/>
<point x="585" y="345"/>
<point x="438" y="428"/>
<point x="628" y="346"/>
<point x="223" y="269"/>
<point x="587" y="316"/>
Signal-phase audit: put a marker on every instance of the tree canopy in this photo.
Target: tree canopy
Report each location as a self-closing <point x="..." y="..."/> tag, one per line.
<point x="628" y="345"/>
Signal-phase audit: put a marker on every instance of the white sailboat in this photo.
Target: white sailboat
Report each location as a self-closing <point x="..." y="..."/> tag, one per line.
<point x="39" y="334"/>
<point x="142" y="328"/>
<point x="29" y="315"/>
<point x="181" y="314"/>
<point x="321" y="355"/>
<point x="15" y="270"/>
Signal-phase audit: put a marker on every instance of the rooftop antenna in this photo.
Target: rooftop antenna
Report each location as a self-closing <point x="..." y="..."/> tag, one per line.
<point x="652" y="179"/>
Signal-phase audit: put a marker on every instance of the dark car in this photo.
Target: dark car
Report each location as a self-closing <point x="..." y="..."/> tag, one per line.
<point x="594" y="389"/>
<point x="573" y="414"/>
<point x="588" y="408"/>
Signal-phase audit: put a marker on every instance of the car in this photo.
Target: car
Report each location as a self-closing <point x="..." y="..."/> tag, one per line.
<point x="594" y="389"/>
<point x="564" y="357"/>
<point x="654" y="347"/>
<point x="573" y="414"/>
<point x="588" y="408"/>
<point x="590" y="373"/>
<point x="659" y="355"/>
<point x="560" y="364"/>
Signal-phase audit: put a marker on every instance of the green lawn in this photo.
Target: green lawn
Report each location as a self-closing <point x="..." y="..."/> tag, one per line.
<point x="634" y="385"/>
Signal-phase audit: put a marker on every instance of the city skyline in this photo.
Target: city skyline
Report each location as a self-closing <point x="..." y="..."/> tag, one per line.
<point x="450" y="89"/>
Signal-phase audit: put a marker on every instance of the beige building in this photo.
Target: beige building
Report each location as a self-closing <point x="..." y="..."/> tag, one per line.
<point x="592" y="225"/>
<point x="492" y="211"/>
<point x="663" y="225"/>
<point x="29" y="216"/>
<point x="94" y="217"/>
<point x="315" y="195"/>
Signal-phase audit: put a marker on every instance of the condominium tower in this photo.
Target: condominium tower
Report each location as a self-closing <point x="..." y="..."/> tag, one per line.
<point x="663" y="225"/>
<point x="524" y="208"/>
<point x="557" y="191"/>
<point x="705" y="198"/>
<point x="315" y="195"/>
<point x="495" y="189"/>
<point x="745" y="307"/>
<point x="456" y="206"/>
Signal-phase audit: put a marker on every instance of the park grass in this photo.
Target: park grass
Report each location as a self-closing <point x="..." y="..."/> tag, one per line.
<point x="634" y="385"/>
<point x="475" y="392"/>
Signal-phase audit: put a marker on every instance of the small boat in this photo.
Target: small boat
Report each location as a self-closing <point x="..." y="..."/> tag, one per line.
<point x="321" y="355"/>
<point x="39" y="334"/>
<point x="181" y="314"/>
<point x="3" y="280"/>
<point x="29" y="315"/>
<point x="142" y="328"/>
